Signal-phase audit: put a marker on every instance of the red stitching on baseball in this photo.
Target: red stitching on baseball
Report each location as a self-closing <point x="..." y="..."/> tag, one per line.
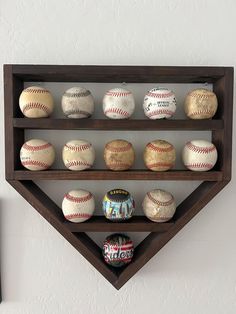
<point x="118" y="164"/>
<point x="160" y="164"/>
<point x="200" y="150"/>
<point x="117" y="110"/>
<point x="200" y="165"/>
<point x="78" y="215"/>
<point x="160" y="111"/>
<point x="155" y="201"/>
<point x="79" y="148"/>
<point x="160" y="149"/>
<point x="36" y="105"/>
<point x="34" y="90"/>
<point x="158" y="95"/>
<point x="77" y="163"/>
<point x="118" y="149"/>
<point x="118" y="94"/>
<point x="35" y="163"/>
<point x="203" y="96"/>
<point x="37" y="147"/>
<point x="78" y="199"/>
<point x="201" y="112"/>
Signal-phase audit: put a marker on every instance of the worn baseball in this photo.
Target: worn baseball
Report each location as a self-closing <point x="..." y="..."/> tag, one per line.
<point x="37" y="155"/>
<point x="78" y="155"/>
<point x="159" y="103"/>
<point x="159" y="205"/>
<point x="119" y="155"/>
<point x="200" y="104"/>
<point x="118" y="103"/>
<point x="77" y="102"/>
<point x="199" y="155"/>
<point x="36" y="102"/>
<point x="78" y="205"/>
<point x="159" y="155"/>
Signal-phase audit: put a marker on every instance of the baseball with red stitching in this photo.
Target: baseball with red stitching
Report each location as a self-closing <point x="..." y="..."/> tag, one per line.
<point x="78" y="205"/>
<point x="199" y="155"/>
<point x="118" y="103"/>
<point x="37" y="154"/>
<point x="159" y="155"/>
<point x="159" y="205"/>
<point x="78" y="155"/>
<point x="77" y="102"/>
<point x="119" y="155"/>
<point x="200" y="104"/>
<point x="36" y="102"/>
<point x="159" y="103"/>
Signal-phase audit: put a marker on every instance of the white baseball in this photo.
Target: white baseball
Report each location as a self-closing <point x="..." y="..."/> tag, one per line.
<point x="78" y="205"/>
<point x="199" y="155"/>
<point x="159" y="103"/>
<point x="159" y="205"/>
<point x="77" y="102"/>
<point x="36" y="102"/>
<point x="37" y="154"/>
<point x="78" y="155"/>
<point x="118" y="103"/>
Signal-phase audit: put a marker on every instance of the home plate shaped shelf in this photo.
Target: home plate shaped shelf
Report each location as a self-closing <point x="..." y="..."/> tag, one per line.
<point x="22" y="180"/>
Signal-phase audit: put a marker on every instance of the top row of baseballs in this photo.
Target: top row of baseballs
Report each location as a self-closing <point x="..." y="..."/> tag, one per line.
<point x="118" y="103"/>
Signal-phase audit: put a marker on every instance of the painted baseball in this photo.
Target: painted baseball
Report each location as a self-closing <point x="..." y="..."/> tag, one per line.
<point x="36" y="102"/>
<point x="118" y="205"/>
<point x="119" y="155"/>
<point x="37" y="154"/>
<point x="199" y="155"/>
<point x="118" y="103"/>
<point x="159" y="103"/>
<point x="77" y="102"/>
<point x="78" y="205"/>
<point x="118" y="250"/>
<point x="159" y="155"/>
<point x="78" y="155"/>
<point x="200" y="104"/>
<point x="159" y="205"/>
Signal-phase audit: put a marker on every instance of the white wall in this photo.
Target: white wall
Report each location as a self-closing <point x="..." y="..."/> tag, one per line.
<point x="41" y="272"/>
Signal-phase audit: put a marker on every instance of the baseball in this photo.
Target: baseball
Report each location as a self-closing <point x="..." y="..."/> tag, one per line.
<point x="159" y="103"/>
<point x="78" y="155"/>
<point x="119" y="155"/>
<point x="118" y="205"/>
<point x="199" y="155"/>
<point x="118" y="103"/>
<point x="78" y="205"/>
<point x="159" y="205"/>
<point x="159" y="155"/>
<point x="36" y="102"/>
<point x="77" y="102"/>
<point x="200" y="104"/>
<point x="37" y="155"/>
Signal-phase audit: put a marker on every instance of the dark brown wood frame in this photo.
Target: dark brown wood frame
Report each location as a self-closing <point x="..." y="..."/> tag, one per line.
<point x="213" y="181"/>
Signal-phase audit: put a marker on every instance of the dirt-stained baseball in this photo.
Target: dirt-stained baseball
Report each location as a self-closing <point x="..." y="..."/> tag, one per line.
<point x="37" y="154"/>
<point x="199" y="155"/>
<point x="159" y="103"/>
<point x="118" y="103"/>
<point x="159" y="155"/>
<point x="200" y="104"/>
<point x="78" y="155"/>
<point x="119" y="155"/>
<point x="36" y="102"/>
<point x="78" y="205"/>
<point x="77" y="102"/>
<point x="159" y="205"/>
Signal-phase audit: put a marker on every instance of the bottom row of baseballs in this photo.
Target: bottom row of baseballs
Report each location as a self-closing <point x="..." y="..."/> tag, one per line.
<point x="118" y="205"/>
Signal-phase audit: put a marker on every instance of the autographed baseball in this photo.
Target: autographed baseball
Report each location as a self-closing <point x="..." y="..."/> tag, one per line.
<point x="118" y="103"/>
<point x="199" y="155"/>
<point x="200" y="104"/>
<point x="119" y="155"/>
<point x="77" y="102"/>
<point x="159" y="155"/>
<point x="159" y="205"/>
<point x="159" y="103"/>
<point x="36" y="102"/>
<point x="37" y="154"/>
<point x="78" y="155"/>
<point x="78" y="205"/>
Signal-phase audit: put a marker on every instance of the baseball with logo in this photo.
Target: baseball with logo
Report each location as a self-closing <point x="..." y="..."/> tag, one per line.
<point x="118" y="103"/>
<point x="77" y="102"/>
<point x="78" y="205"/>
<point x="118" y="205"/>
<point x="78" y="155"/>
<point x="159" y="205"/>
<point x="118" y="250"/>
<point x="159" y="155"/>
<point x="159" y="103"/>
<point x="199" y="155"/>
<point x="36" y="102"/>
